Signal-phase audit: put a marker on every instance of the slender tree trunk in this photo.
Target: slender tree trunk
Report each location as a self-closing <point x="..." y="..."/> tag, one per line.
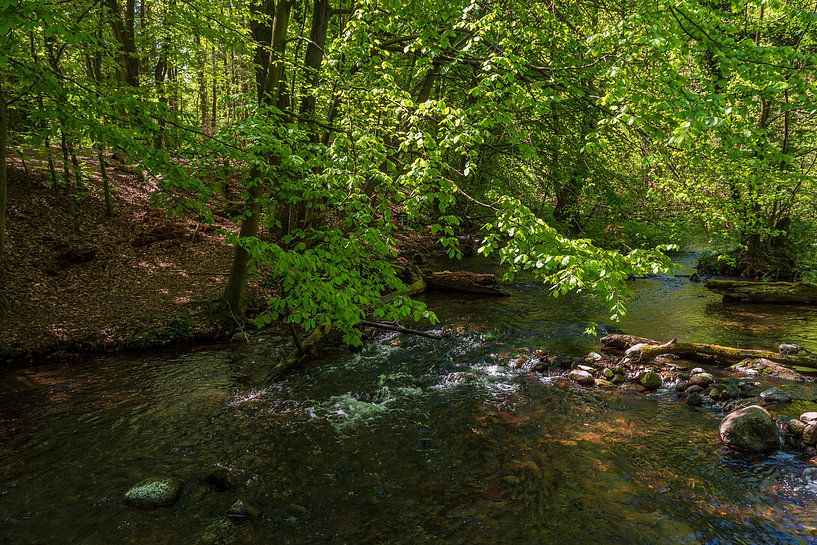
<point x="213" y="95"/>
<point x="66" y="172"/>
<point x="268" y="79"/>
<point x="3" y="177"/>
<point x="106" y="184"/>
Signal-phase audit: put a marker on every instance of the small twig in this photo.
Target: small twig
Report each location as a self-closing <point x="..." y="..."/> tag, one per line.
<point x="399" y="329"/>
<point x="203" y="273"/>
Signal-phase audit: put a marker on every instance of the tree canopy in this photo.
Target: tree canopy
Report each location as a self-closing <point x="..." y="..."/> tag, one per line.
<point x="578" y="140"/>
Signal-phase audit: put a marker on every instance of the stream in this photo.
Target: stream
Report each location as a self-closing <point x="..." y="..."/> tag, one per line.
<point x="407" y="441"/>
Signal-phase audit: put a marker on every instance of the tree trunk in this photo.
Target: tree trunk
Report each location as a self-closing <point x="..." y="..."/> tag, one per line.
<point x="268" y="78"/>
<point x="464" y="282"/>
<point x="764" y="292"/>
<point x="122" y="26"/>
<point x="106" y="184"/>
<point x="726" y="355"/>
<point x="3" y="177"/>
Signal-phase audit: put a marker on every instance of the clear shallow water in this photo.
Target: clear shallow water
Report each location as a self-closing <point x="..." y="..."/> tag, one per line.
<point x="422" y="442"/>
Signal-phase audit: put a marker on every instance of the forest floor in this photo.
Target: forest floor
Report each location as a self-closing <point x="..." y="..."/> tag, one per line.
<point x="135" y="280"/>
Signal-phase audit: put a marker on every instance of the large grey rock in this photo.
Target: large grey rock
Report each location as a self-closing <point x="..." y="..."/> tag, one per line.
<point x="701" y="379"/>
<point x="582" y="377"/>
<point x="775" y="395"/>
<point x="808" y="418"/>
<point x="154" y="492"/>
<point x="750" y="429"/>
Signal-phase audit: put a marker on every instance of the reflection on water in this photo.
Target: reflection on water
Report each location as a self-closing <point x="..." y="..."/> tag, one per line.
<point x="408" y="441"/>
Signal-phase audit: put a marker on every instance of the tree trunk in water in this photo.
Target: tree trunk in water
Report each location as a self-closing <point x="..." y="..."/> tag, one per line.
<point x="268" y="78"/>
<point x="764" y="292"/>
<point x="464" y="282"/>
<point x="726" y="355"/>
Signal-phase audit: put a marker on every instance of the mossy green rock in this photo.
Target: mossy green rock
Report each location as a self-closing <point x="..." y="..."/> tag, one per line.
<point x="650" y="380"/>
<point x="154" y="492"/>
<point x="750" y="429"/>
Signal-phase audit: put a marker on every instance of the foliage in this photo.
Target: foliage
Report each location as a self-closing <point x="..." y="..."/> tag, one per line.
<point x="574" y="137"/>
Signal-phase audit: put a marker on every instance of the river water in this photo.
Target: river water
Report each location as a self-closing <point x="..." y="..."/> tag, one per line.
<point x="408" y="441"/>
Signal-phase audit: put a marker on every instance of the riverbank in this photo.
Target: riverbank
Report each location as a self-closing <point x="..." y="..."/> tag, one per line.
<point x="92" y="283"/>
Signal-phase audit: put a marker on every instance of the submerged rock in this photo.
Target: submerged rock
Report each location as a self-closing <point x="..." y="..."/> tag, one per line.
<point x="695" y="400"/>
<point x="582" y="377"/>
<point x="750" y="429"/>
<point x="154" y="492"/>
<point x="243" y="510"/>
<point x="650" y="380"/>
<point x="775" y="395"/>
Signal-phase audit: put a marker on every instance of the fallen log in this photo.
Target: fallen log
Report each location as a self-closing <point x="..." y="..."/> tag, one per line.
<point x="623" y="342"/>
<point x="744" y="291"/>
<point x="464" y="282"/>
<point x="400" y="329"/>
<point x="726" y="355"/>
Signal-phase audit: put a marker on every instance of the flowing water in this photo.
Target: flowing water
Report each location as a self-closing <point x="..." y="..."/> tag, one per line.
<point x="408" y="441"/>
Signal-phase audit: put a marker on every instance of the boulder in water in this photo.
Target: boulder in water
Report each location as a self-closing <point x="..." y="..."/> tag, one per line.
<point x="154" y="492"/>
<point x="775" y="395"/>
<point x="650" y="380"/>
<point x="695" y="400"/>
<point x="701" y="379"/>
<point x="582" y="377"/>
<point x="750" y="429"/>
<point x="810" y="435"/>
<point x="795" y="426"/>
<point x="808" y="418"/>
<point x="243" y="510"/>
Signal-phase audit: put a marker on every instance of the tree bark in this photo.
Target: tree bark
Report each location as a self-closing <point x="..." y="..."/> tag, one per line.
<point x="122" y="25"/>
<point x="3" y="176"/>
<point x="464" y="282"/>
<point x="268" y="78"/>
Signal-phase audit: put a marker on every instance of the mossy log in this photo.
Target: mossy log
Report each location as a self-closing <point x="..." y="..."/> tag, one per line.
<point x="464" y="282"/>
<point x="725" y="355"/>
<point x="623" y="342"/>
<point x="743" y="291"/>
